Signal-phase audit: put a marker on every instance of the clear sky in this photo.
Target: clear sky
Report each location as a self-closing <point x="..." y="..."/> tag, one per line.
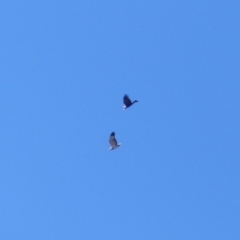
<point x="65" y="66"/>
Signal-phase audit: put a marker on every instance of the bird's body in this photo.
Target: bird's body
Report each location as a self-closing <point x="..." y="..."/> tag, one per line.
<point x="127" y="101"/>
<point x="113" y="142"/>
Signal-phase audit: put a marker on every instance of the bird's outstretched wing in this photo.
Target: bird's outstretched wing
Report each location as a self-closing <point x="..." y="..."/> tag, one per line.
<point x="112" y="140"/>
<point x="127" y="101"/>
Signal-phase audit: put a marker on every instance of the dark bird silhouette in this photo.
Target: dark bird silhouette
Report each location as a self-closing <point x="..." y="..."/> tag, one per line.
<point x="127" y="101"/>
<point x="113" y="142"/>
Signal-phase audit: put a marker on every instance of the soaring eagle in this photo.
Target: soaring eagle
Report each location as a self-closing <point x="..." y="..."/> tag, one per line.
<point x="113" y="142"/>
<point x="127" y="101"/>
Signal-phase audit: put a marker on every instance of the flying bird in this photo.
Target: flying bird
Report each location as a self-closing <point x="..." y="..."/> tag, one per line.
<point x="113" y="142"/>
<point x="127" y="101"/>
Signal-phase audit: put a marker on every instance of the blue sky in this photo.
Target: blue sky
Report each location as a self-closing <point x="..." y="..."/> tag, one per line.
<point x="65" y="66"/>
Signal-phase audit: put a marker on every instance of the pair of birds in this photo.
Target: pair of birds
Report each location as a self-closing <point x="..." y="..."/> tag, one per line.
<point x="112" y="140"/>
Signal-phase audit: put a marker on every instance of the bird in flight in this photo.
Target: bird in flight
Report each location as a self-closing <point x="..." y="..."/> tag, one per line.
<point x="113" y="142"/>
<point x="127" y="101"/>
